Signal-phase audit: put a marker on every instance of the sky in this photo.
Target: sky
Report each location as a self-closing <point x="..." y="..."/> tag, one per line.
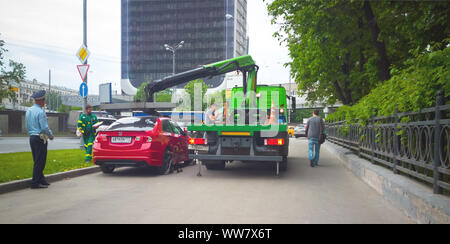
<point x="45" y="35"/>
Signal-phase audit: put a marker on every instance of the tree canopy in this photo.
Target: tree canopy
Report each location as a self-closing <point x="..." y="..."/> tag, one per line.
<point x="163" y="96"/>
<point x="342" y="50"/>
<point x="14" y="73"/>
<point x="196" y="90"/>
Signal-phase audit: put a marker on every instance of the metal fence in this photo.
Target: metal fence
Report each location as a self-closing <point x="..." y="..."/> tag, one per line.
<point x="415" y="144"/>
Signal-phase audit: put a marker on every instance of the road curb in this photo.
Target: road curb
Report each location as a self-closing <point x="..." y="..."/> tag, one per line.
<point x="416" y="200"/>
<point x="23" y="184"/>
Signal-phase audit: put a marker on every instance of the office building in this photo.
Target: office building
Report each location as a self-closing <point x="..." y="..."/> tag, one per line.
<point x="212" y="30"/>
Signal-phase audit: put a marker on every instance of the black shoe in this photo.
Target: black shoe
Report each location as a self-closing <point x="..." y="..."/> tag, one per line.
<point x="45" y="183"/>
<point x="39" y="186"/>
<point x="311" y="163"/>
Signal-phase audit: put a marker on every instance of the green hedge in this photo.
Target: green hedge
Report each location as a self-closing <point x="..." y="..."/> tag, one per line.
<point x="413" y="88"/>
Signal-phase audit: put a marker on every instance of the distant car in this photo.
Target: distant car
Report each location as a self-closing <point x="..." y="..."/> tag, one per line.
<point x="141" y="142"/>
<point x="1" y="133"/>
<point x="291" y="131"/>
<point x="299" y="131"/>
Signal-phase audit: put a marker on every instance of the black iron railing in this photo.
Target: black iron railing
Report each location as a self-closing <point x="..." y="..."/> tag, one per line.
<point x="415" y="144"/>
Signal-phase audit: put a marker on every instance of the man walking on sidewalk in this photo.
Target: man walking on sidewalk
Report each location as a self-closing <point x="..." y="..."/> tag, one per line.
<point x="314" y="128"/>
<point x="37" y="127"/>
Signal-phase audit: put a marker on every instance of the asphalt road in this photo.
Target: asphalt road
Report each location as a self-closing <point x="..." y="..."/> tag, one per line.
<point x="22" y="144"/>
<point x="243" y="193"/>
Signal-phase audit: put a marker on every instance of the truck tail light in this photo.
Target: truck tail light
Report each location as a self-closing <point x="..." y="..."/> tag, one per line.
<point x="273" y="142"/>
<point x="198" y="141"/>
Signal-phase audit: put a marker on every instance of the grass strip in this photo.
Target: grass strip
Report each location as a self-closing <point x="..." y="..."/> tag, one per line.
<point x="19" y="166"/>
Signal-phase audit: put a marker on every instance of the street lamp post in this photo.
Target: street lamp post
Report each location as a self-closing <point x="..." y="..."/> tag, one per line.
<point x="173" y="49"/>
<point x="227" y="17"/>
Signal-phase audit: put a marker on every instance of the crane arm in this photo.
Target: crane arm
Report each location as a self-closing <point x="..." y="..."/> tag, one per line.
<point x="243" y="63"/>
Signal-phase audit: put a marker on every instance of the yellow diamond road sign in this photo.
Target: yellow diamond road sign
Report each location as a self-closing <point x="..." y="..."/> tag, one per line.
<point x="83" y="54"/>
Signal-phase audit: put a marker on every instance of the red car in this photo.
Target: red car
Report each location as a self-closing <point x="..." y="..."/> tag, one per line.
<point x="141" y="142"/>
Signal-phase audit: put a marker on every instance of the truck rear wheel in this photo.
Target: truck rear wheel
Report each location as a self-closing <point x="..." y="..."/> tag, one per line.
<point x="214" y="165"/>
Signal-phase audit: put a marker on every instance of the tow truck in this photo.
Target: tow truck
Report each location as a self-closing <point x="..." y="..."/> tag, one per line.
<point x="254" y="124"/>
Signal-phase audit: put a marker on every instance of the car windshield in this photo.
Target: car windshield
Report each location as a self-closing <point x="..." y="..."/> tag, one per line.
<point x="133" y="124"/>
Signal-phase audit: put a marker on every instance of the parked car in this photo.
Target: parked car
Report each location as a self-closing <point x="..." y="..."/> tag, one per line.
<point x="299" y="131"/>
<point x="106" y="122"/>
<point x="141" y="142"/>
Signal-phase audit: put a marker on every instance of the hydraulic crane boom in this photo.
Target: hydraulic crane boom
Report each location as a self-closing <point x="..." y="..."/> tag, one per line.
<point x="245" y="64"/>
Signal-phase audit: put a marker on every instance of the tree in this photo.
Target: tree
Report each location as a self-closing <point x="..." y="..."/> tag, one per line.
<point x="163" y="96"/>
<point x="301" y="114"/>
<point x="341" y="50"/>
<point x="196" y="91"/>
<point x="217" y="97"/>
<point x="53" y="100"/>
<point x="65" y="109"/>
<point x="14" y="74"/>
<point x="141" y="95"/>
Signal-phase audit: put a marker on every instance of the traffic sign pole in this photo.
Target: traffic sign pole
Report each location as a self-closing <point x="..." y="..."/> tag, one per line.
<point x="85" y="44"/>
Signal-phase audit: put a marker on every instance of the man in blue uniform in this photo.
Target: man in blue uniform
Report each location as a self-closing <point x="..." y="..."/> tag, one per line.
<point x="37" y="127"/>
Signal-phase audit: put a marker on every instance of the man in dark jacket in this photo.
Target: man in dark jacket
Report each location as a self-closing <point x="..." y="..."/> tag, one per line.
<point x="314" y="128"/>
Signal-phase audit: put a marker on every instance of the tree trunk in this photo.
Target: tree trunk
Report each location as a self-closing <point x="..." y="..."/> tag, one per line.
<point x="346" y="71"/>
<point x="339" y="92"/>
<point x="383" y="63"/>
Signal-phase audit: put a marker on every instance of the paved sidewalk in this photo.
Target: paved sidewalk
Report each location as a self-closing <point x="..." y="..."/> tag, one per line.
<point x="242" y="193"/>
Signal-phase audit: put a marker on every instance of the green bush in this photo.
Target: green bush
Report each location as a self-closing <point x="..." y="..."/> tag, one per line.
<point x="413" y="88"/>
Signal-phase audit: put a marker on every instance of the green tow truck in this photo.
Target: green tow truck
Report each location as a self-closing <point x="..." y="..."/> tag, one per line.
<point x="254" y="123"/>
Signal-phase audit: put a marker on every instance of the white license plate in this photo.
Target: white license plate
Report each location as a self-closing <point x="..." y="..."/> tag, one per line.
<point x="199" y="147"/>
<point x="122" y="140"/>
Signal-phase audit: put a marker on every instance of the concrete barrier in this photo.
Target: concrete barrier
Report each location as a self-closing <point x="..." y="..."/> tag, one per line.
<point x="416" y="200"/>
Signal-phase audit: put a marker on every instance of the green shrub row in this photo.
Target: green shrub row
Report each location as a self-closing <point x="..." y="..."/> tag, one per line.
<point x="411" y="89"/>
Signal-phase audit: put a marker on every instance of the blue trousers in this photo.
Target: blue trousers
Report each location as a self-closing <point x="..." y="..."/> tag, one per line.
<point x="314" y="150"/>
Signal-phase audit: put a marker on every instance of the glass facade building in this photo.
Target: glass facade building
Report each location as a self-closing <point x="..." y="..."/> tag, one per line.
<point x="212" y="30"/>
